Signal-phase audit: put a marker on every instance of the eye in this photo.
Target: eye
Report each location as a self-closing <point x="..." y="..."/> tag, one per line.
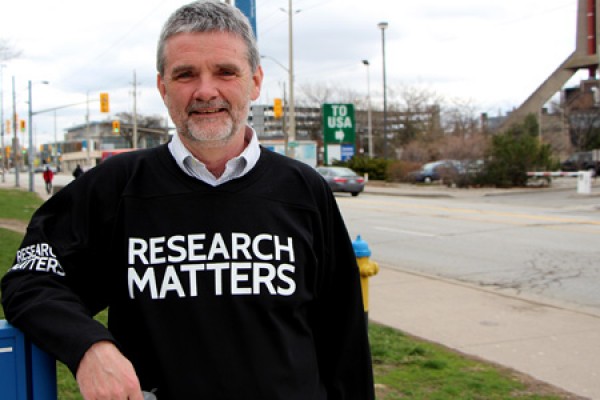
<point x="227" y="72"/>
<point x="182" y="75"/>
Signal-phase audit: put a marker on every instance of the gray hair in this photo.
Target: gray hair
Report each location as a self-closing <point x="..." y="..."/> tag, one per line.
<point x="208" y="16"/>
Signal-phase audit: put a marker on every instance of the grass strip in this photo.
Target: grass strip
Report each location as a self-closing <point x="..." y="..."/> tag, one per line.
<point x="18" y="204"/>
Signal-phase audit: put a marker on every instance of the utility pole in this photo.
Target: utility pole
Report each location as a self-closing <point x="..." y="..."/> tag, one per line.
<point x="369" y="113"/>
<point x="30" y="151"/>
<point x="88" y="134"/>
<point x="135" y="130"/>
<point x="383" y="26"/>
<point x="15" y="149"/>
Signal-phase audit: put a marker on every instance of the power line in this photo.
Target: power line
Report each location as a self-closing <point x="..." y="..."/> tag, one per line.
<point x="119" y="40"/>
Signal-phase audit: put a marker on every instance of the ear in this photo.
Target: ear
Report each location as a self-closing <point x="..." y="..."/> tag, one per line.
<point x="160" y="84"/>
<point x="257" y="79"/>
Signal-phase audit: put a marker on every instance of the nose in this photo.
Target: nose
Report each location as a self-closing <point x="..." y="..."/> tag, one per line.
<point x="206" y="89"/>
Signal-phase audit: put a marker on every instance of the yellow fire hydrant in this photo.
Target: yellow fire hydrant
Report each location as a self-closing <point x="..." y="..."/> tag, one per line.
<point x="367" y="268"/>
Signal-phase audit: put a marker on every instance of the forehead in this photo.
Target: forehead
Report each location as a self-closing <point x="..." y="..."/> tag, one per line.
<point x="215" y="47"/>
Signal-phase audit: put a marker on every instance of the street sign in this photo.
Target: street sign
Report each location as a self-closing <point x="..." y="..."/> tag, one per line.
<point x="339" y="125"/>
<point x="248" y="8"/>
<point x="339" y="129"/>
<point x="347" y="151"/>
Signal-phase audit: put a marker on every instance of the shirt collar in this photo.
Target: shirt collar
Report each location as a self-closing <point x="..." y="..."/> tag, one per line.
<point x="235" y="168"/>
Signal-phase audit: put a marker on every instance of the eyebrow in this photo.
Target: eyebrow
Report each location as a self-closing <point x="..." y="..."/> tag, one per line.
<point x="229" y="67"/>
<point x="181" y="68"/>
<point x="223" y="66"/>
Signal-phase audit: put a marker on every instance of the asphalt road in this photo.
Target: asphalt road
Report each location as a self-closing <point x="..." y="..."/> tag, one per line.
<point x="538" y="244"/>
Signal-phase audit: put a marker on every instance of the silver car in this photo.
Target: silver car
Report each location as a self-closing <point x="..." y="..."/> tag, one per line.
<point x="342" y="179"/>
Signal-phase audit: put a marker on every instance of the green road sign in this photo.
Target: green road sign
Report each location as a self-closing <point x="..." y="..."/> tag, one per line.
<point x="339" y="124"/>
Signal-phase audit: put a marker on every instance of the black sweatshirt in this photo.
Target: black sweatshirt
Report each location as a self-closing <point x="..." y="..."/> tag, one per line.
<point x="249" y="290"/>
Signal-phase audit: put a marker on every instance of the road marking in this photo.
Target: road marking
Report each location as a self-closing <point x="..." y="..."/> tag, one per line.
<point x="479" y="213"/>
<point x="413" y="233"/>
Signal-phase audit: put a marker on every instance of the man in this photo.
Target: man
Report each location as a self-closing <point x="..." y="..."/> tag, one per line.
<point x="226" y="268"/>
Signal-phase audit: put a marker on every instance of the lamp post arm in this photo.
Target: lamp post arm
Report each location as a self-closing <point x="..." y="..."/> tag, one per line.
<point x="61" y="107"/>
<point x="276" y="62"/>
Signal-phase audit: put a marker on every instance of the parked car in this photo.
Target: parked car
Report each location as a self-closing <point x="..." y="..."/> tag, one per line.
<point x="582" y="161"/>
<point x="446" y="170"/>
<point x="341" y="179"/>
<point x="41" y="168"/>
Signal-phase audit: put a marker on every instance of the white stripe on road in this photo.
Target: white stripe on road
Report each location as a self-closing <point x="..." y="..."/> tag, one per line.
<point x="413" y="233"/>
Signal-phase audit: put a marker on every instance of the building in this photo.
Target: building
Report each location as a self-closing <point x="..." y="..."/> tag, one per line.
<point x="85" y="143"/>
<point x="581" y="107"/>
<point x="401" y="126"/>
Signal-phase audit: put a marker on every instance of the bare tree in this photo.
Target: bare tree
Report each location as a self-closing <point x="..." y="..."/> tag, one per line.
<point x="461" y="118"/>
<point x="582" y="112"/>
<point x="414" y="121"/>
<point x="148" y="125"/>
<point x="416" y="98"/>
<point x="316" y="94"/>
<point x="413" y="114"/>
<point x="463" y="148"/>
<point x="584" y="127"/>
<point x="555" y="131"/>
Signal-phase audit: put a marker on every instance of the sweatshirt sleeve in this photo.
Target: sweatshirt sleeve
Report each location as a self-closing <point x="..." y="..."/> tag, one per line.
<point x="340" y="327"/>
<point x="57" y="283"/>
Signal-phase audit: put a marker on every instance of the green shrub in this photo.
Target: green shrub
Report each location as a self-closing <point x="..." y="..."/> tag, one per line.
<point x="375" y="167"/>
<point x="514" y="153"/>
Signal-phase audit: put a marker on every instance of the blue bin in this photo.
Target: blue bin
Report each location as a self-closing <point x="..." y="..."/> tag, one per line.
<point x="26" y="372"/>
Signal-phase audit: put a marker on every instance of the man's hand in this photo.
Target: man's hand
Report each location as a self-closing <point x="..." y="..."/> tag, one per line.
<point x="105" y="374"/>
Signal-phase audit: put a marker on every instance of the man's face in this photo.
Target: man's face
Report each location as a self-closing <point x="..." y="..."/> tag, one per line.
<point x="208" y="85"/>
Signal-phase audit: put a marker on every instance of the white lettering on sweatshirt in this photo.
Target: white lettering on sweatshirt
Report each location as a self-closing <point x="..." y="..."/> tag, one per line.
<point x="237" y="264"/>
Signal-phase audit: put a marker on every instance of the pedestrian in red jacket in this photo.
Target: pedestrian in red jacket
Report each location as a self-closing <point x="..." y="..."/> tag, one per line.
<point x="48" y="176"/>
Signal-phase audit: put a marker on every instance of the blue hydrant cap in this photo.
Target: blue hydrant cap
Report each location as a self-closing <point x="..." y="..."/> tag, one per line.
<point x="361" y="248"/>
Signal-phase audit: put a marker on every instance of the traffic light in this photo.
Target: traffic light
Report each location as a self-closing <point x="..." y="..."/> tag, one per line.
<point x="8" y="148"/>
<point x="104" y="103"/>
<point x="22" y="125"/>
<point x="278" y="108"/>
<point x="116" y="127"/>
<point x="8" y="125"/>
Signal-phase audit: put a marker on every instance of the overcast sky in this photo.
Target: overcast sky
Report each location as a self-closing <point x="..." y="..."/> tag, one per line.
<point x="493" y="52"/>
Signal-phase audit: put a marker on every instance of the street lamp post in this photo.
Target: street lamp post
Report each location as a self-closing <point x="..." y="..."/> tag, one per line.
<point x="31" y="152"/>
<point x="383" y="26"/>
<point x="369" y="122"/>
<point x="4" y="162"/>
<point x="15" y="141"/>
<point x="285" y="132"/>
<point x="30" y="131"/>
<point x="292" y="108"/>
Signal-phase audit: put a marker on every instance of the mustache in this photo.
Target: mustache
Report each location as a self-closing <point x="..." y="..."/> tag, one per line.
<point x="199" y="106"/>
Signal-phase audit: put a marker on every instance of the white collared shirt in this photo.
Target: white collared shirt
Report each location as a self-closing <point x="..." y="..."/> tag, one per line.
<point x="235" y="168"/>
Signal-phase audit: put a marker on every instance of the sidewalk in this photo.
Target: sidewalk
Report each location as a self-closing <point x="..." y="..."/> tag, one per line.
<point x="60" y="179"/>
<point x="552" y="344"/>
<point x="568" y="185"/>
